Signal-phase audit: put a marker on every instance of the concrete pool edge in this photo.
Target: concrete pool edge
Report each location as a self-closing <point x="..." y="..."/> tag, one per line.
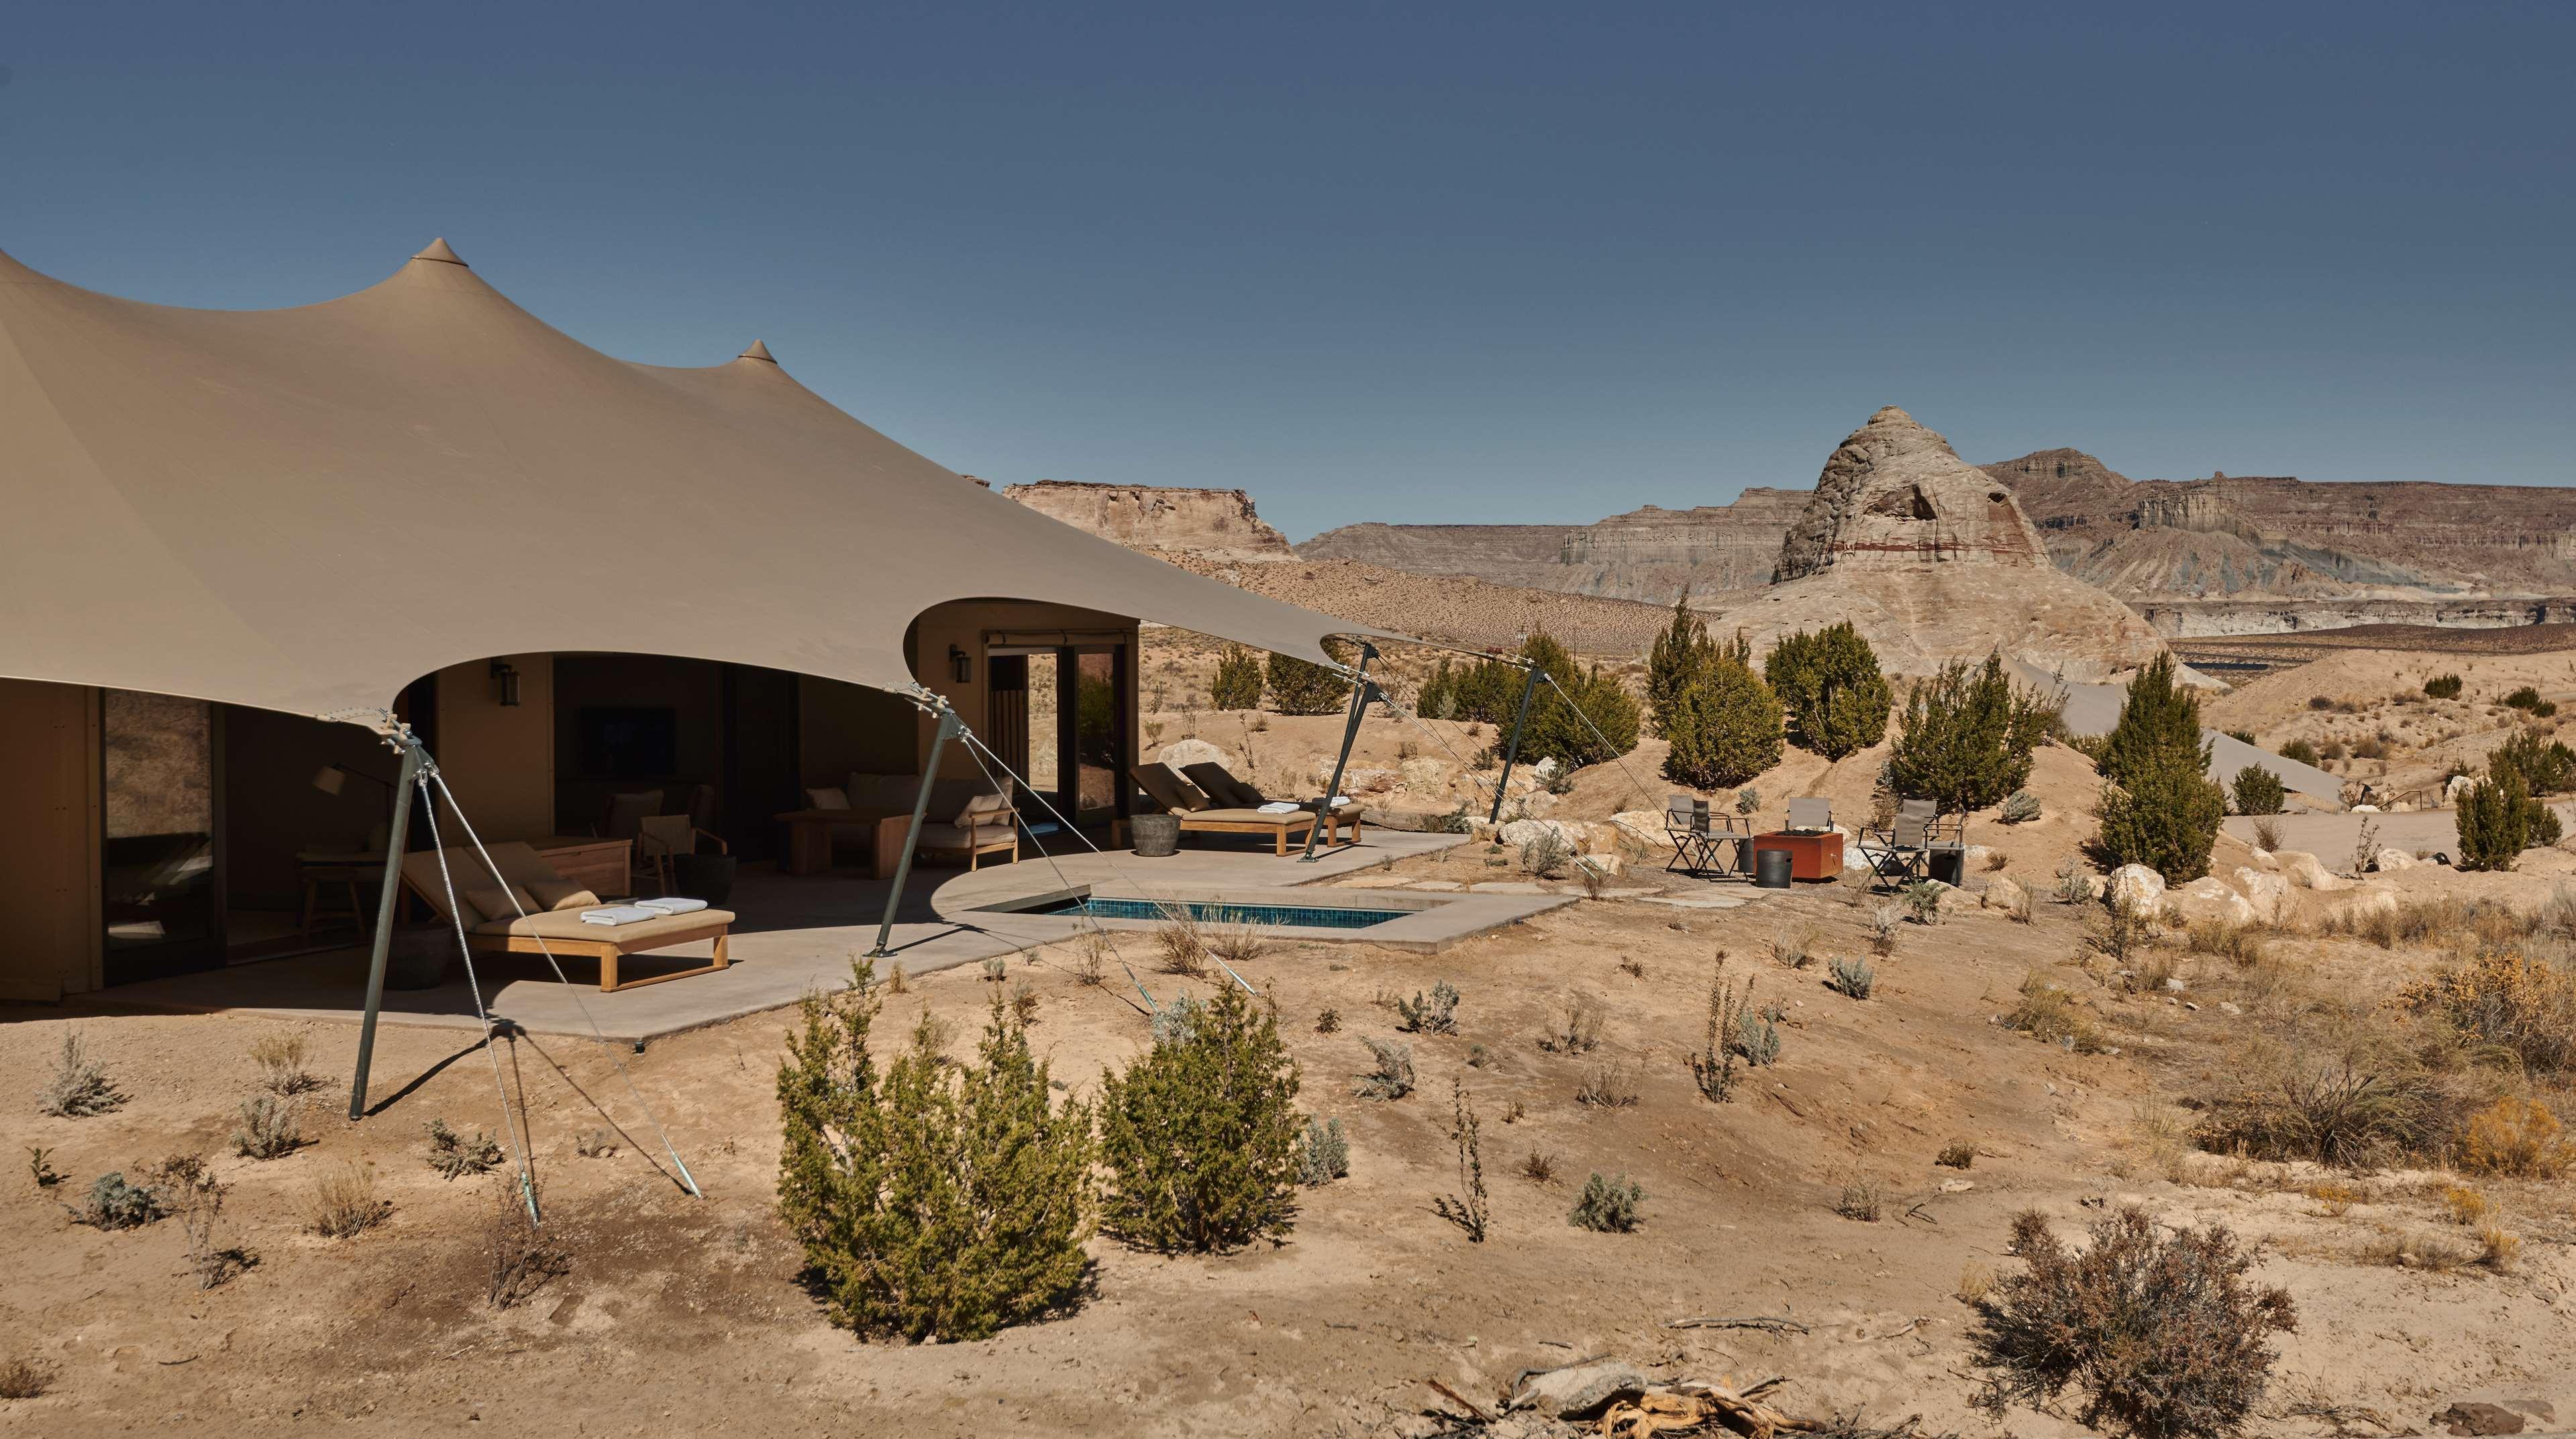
<point x="1423" y="923"/>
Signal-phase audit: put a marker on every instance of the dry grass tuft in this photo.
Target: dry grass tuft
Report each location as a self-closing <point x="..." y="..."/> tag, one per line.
<point x="342" y="1202"/>
<point x="2465" y="1205"/>
<point x="1539" y="1168"/>
<point x="24" y="1379"/>
<point x="280" y="1058"/>
<point x="1573" y="1025"/>
<point x="1976" y="1281"/>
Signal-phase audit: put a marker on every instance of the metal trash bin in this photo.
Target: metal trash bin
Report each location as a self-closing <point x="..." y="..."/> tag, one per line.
<point x="1770" y="869"/>
<point x="1948" y="864"/>
<point x="1158" y="836"/>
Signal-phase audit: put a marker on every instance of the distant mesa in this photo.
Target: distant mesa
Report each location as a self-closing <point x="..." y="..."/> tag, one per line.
<point x="1208" y="523"/>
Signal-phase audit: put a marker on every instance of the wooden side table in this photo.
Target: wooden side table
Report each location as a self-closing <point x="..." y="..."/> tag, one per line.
<point x="1812" y="855"/>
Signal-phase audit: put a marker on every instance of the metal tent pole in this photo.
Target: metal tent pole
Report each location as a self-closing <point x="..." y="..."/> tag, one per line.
<point x="1512" y="747"/>
<point x="948" y="725"/>
<point x="1350" y="733"/>
<point x="395" y="840"/>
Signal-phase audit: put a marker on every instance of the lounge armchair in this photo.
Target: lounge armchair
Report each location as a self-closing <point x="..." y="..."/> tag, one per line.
<point x="1699" y="838"/>
<point x="661" y="838"/>
<point x="1220" y="783"/>
<point x="987" y="825"/>
<point x="493" y="923"/>
<point x="1186" y="802"/>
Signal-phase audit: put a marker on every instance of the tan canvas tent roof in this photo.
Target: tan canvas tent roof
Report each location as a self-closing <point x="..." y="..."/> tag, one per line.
<point x="306" y="509"/>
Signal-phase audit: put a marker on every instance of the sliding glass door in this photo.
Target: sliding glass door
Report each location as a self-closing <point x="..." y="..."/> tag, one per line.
<point x="163" y="895"/>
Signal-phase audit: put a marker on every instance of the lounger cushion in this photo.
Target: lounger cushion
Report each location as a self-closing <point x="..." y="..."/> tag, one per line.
<point x="567" y="924"/>
<point x="1209" y="818"/>
<point x="562" y="894"/>
<point x="1175" y="794"/>
<point x="494" y="902"/>
<point x="984" y="811"/>
<point x="827" y="798"/>
<point x="957" y="837"/>
<point x="1222" y="786"/>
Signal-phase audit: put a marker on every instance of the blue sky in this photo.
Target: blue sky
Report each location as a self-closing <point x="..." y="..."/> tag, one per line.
<point x="1403" y="262"/>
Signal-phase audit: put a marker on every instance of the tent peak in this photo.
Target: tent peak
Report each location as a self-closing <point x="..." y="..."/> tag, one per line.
<point x="437" y="250"/>
<point x="758" y="351"/>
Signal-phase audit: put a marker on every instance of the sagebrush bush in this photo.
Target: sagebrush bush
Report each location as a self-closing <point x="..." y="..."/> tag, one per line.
<point x="1608" y="1206"/>
<point x="2518" y="1137"/>
<point x="114" y="1202"/>
<point x="1574" y="1025"/>
<point x="2047" y="1012"/>
<point x="1390" y="1071"/>
<point x="2161" y="1334"/>
<point x="1852" y="977"/>
<point x="280" y="1058"/>
<point x="268" y="1128"/>
<point x="2507" y="999"/>
<point x="341" y="1201"/>
<point x="937" y="1199"/>
<point x="78" y="1087"/>
<point x="1200" y="1136"/>
<point x="456" y="1155"/>
<point x="1435" y="1015"/>
<point x="1323" y="1152"/>
<point x="2019" y="807"/>
<point x="2353" y="1111"/>
<point x="1238" y="681"/>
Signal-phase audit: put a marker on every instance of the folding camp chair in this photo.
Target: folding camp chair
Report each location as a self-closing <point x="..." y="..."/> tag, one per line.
<point x="1699" y="838"/>
<point x="1898" y="854"/>
<point x="1945" y="838"/>
<point x="1811" y="814"/>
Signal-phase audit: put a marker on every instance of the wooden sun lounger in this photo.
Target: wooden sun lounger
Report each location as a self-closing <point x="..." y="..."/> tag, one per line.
<point x="1192" y="807"/>
<point x="562" y="932"/>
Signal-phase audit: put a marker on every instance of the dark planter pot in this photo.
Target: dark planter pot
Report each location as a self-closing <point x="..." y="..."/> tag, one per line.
<point x="703" y="876"/>
<point x="419" y="956"/>
<point x="1771" y="869"/>
<point x="1157" y="835"/>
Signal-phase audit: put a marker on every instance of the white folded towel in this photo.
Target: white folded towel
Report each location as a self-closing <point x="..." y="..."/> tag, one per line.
<point x="1279" y="806"/>
<point x="673" y="904"/>
<point x="619" y="914"/>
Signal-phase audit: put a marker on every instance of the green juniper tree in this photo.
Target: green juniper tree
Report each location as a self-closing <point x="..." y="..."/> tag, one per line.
<point x="1682" y="652"/>
<point x="1239" y="680"/>
<point x="1199" y="1135"/>
<point x="1725" y="725"/>
<point x="1836" y="696"/>
<point x="1966" y="736"/>
<point x="2160" y="808"/>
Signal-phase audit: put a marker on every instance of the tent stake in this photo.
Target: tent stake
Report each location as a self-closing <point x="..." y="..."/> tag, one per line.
<point x="1512" y="748"/>
<point x="396" y="841"/>
<point x="948" y="725"/>
<point x="1350" y="733"/>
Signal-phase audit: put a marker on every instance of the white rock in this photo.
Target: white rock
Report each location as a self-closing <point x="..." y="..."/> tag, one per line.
<point x="2306" y="872"/>
<point x="2137" y="887"/>
<point x="2208" y="898"/>
<point x="1974" y="858"/>
<point x="2005" y="894"/>
<point x="1180" y="754"/>
<point x="1424" y="772"/>
<point x="1606" y="863"/>
<point x="2364" y="902"/>
<point x="2268" y="893"/>
<point x="1522" y="831"/>
<point x="1645" y="825"/>
<point x="2388" y="859"/>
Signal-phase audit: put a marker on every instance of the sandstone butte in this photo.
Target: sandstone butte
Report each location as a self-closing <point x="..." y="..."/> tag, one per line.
<point x="1213" y="524"/>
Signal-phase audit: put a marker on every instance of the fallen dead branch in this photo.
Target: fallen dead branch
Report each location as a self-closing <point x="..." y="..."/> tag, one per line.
<point x="1763" y="1322"/>
<point x="1693" y="1405"/>
<point x="1474" y="1409"/>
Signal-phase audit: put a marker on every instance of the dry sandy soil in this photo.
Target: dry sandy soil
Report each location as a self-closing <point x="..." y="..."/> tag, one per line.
<point x="683" y="1316"/>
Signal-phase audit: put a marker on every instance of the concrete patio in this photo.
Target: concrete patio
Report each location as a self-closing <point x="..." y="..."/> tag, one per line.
<point x="798" y="933"/>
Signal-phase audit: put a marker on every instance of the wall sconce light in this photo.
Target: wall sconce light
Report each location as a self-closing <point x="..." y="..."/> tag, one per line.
<point x="505" y="683"/>
<point x="962" y="665"/>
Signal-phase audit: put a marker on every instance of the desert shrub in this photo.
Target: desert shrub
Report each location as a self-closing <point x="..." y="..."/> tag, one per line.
<point x="1748" y="800"/>
<point x="1545" y="854"/>
<point x="1712" y="1065"/>
<point x="2258" y="791"/>
<point x="1199" y="1136"/>
<point x="2300" y="750"/>
<point x="2509" y="1001"/>
<point x="2528" y="700"/>
<point x="2519" y="1137"/>
<point x="197" y="1198"/>
<point x="1180" y="944"/>
<point x="1574" y="1025"/>
<point x="280" y="1058"/>
<point x="1608" y="1206"/>
<point x="1390" y="1071"/>
<point x="455" y="1155"/>
<point x="78" y="1087"/>
<point x="341" y="1201"/>
<point x="936" y="1199"/>
<point x="2047" y="1012"/>
<point x="1830" y="684"/>
<point x="1239" y="680"/>
<point x="2242" y="943"/>
<point x="1724" y="725"/>
<point x="24" y="1379"/>
<point x="113" y="1202"/>
<point x="1436" y="1015"/>
<point x="1966" y="736"/>
<point x="1539" y="1168"/>
<point x="2546" y="767"/>
<point x="2074" y="883"/>
<point x="2494" y="823"/>
<point x="2162" y="1334"/>
<point x="2165" y="817"/>
<point x="267" y="1128"/>
<point x="1173" y="1023"/>
<point x="1302" y="687"/>
<point x="1564" y="716"/>
<point x="519" y="1259"/>
<point x="2442" y="687"/>
<point x="1757" y="1037"/>
<point x="1606" y="1084"/>
<point x="1323" y="1152"/>
<point x="2019" y="807"/>
<point x="2351" y="1111"/>
<point x="1861" y="1199"/>
<point x="1467" y="1208"/>
<point x="1681" y="653"/>
<point x="1853" y="977"/>
<point x="2267" y="834"/>
<point x="1957" y="1154"/>
<point x="2159" y="716"/>
<point x="1922" y="900"/>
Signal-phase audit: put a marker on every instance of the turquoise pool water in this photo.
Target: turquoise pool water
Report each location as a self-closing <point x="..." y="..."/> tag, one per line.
<point x="1209" y="911"/>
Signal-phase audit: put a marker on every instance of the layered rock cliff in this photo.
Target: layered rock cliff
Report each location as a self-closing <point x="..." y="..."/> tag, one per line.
<point x="1220" y="524"/>
<point x="1649" y="554"/>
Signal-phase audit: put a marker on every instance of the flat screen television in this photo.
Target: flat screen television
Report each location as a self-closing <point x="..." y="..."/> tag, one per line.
<point x="626" y="741"/>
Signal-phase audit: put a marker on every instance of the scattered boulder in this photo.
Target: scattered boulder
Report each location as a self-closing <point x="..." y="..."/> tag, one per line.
<point x="2476" y="1416"/>
<point x="1646" y="826"/>
<point x="2392" y="859"/>
<point x="1973" y="859"/>
<point x="1578" y="1391"/>
<point x="2362" y="903"/>
<point x="2137" y="887"/>
<point x="1182" y="753"/>
<point x="2208" y="899"/>
<point x="2005" y="894"/>
<point x="2306" y="872"/>
<point x="1424" y="772"/>
<point x="1522" y="831"/>
<point x="2268" y="893"/>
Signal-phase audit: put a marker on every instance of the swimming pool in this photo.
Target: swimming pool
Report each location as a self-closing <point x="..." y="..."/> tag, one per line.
<point x="1215" y="911"/>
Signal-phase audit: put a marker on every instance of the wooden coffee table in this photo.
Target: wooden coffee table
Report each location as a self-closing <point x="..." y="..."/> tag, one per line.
<point x="809" y="838"/>
<point x="1811" y="855"/>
